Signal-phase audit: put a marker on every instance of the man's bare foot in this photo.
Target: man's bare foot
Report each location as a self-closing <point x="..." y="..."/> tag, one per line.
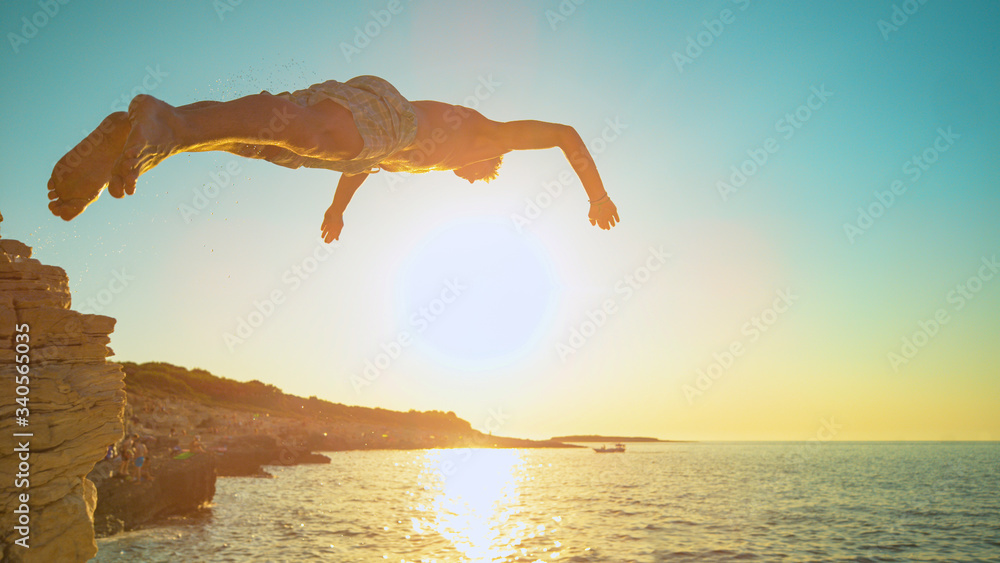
<point x="149" y="142"/>
<point x="82" y="173"/>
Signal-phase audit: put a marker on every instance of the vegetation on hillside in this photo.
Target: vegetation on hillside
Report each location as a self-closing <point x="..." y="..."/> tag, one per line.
<point x="158" y="380"/>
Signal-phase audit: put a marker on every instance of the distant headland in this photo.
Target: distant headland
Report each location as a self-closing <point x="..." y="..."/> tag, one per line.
<point x="596" y="438"/>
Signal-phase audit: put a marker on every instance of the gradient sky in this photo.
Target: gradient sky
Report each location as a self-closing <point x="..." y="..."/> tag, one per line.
<point x="665" y="131"/>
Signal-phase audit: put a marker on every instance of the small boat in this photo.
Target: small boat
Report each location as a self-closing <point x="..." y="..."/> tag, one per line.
<point x="618" y="449"/>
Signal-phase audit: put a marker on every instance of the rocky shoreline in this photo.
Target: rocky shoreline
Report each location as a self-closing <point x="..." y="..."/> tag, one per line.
<point x="179" y="487"/>
<point x="240" y="442"/>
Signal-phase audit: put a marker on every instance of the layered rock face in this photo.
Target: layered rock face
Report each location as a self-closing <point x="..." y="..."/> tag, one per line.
<point x="60" y="408"/>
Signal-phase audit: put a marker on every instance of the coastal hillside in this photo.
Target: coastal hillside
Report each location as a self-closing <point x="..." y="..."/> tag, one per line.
<point x="158" y="380"/>
<point x="168" y="400"/>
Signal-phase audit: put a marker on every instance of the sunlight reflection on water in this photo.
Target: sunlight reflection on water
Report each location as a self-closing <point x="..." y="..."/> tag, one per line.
<point x="477" y="502"/>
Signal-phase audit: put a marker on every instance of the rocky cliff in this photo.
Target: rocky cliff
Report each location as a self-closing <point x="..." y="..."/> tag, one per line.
<point x="180" y="487"/>
<point x="62" y="405"/>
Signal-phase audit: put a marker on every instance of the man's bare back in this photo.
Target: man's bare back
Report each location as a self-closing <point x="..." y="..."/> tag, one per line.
<point x="432" y="136"/>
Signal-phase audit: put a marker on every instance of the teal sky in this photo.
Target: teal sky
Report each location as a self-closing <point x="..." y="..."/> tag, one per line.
<point x="484" y="290"/>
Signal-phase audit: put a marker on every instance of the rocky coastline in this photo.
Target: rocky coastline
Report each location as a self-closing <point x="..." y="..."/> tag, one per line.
<point x="67" y="403"/>
<point x="181" y="487"/>
<point x="242" y="438"/>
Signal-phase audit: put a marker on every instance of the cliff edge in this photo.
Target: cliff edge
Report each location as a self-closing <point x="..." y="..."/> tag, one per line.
<point x="62" y="405"/>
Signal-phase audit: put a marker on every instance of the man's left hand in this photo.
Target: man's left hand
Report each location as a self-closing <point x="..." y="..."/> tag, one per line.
<point x="604" y="214"/>
<point x="333" y="223"/>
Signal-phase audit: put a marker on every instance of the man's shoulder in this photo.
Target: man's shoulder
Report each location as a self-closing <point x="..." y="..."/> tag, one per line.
<point x="448" y="116"/>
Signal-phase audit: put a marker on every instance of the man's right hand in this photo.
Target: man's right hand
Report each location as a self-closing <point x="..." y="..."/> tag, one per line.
<point x="333" y="223"/>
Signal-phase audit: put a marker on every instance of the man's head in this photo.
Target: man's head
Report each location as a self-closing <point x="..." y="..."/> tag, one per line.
<point x="486" y="170"/>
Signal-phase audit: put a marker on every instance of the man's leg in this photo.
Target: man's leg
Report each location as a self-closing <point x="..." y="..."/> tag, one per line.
<point x="277" y="155"/>
<point x="82" y="173"/>
<point x="324" y="131"/>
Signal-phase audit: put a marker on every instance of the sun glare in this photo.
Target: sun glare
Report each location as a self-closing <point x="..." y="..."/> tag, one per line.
<point x="477" y="294"/>
<point x="476" y="503"/>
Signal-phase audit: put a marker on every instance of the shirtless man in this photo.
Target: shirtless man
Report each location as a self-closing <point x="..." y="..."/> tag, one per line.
<point x="356" y="128"/>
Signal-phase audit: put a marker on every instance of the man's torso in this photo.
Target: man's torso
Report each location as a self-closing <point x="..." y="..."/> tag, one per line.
<point x="448" y="137"/>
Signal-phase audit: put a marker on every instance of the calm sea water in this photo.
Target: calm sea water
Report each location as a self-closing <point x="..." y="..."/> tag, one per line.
<point x="656" y="502"/>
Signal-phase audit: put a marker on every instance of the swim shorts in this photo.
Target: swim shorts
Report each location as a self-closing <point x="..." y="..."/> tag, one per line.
<point x="139" y="461"/>
<point x="386" y="120"/>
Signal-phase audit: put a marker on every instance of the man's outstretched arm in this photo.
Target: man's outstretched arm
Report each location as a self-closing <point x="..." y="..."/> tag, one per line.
<point x="531" y="135"/>
<point x="333" y="220"/>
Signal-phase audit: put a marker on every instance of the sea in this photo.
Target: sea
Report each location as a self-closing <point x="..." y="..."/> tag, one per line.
<point x="677" y="502"/>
